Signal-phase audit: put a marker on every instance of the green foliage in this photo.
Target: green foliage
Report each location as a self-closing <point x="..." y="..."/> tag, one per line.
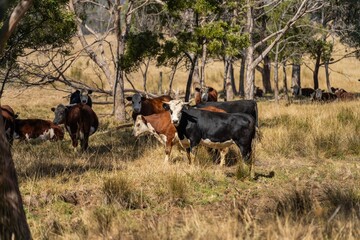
<point x="48" y="23"/>
<point x="138" y="47"/>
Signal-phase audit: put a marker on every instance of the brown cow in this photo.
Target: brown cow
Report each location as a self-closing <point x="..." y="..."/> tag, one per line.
<point x="80" y="122"/>
<point x="27" y="129"/>
<point x="344" y="95"/>
<point x="9" y="122"/>
<point x="147" y="106"/>
<point x="205" y="94"/>
<point x="162" y="128"/>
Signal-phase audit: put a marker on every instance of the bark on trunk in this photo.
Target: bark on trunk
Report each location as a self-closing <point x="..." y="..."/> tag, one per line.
<point x="242" y="76"/>
<point x="316" y="70"/>
<point x="13" y="224"/>
<point x="203" y="63"/>
<point x="249" y="84"/>
<point x="266" y="75"/>
<point x="227" y="80"/>
<point x="232" y="79"/>
<point x="190" y="78"/>
<point x="276" y="74"/>
<point x="327" y="76"/>
<point x="295" y="75"/>
<point x="286" y="91"/>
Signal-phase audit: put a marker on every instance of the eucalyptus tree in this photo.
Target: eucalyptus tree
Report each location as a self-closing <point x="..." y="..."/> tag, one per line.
<point x="338" y="19"/>
<point x="302" y="7"/>
<point x="47" y="27"/>
<point x="13" y="224"/>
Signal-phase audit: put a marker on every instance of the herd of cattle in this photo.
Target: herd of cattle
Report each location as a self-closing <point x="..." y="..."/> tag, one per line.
<point x="209" y="122"/>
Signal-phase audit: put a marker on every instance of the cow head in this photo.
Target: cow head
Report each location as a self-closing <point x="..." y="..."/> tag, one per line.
<point x="204" y="93"/>
<point x="175" y="107"/>
<point x="84" y="95"/>
<point x="136" y="100"/>
<point x="60" y="114"/>
<point x="141" y="126"/>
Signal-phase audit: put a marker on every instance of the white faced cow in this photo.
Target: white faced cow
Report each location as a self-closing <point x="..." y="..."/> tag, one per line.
<point x="213" y="129"/>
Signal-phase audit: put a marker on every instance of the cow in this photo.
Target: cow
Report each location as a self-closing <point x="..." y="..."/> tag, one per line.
<point x="160" y="126"/>
<point x="322" y="96"/>
<point x="9" y="117"/>
<point x="238" y="106"/>
<point x="213" y="129"/>
<point x="80" y="122"/>
<point x="205" y="94"/>
<point x="27" y="129"/>
<point x="147" y="106"/>
<point x="344" y="95"/>
<point x="81" y="96"/>
<point x="306" y="92"/>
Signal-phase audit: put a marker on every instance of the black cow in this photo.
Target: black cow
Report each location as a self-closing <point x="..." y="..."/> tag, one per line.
<point x="322" y="96"/>
<point x="213" y="129"/>
<point x="81" y="96"/>
<point x="239" y="106"/>
<point x="306" y="92"/>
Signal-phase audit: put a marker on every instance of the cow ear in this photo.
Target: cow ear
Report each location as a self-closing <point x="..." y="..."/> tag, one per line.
<point x="90" y="91"/>
<point x="53" y="109"/>
<point x="143" y="99"/>
<point x="129" y="99"/>
<point x="77" y="91"/>
<point x="166" y="106"/>
<point x="197" y="89"/>
<point x="210" y="89"/>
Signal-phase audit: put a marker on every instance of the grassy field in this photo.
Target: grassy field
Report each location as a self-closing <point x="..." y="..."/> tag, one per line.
<point x="307" y="175"/>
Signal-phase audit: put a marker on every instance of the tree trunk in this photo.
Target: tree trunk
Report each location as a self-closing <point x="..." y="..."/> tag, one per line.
<point x="276" y="74"/>
<point x="203" y="63"/>
<point x="232" y="79"/>
<point x="249" y="84"/>
<point x="266" y="75"/>
<point x="121" y="33"/>
<point x="286" y="91"/>
<point x="295" y="75"/>
<point x="316" y="70"/>
<point x="242" y="76"/>
<point x="227" y="80"/>
<point x="13" y="223"/>
<point x="144" y="73"/>
<point x="190" y="77"/>
<point x="327" y="76"/>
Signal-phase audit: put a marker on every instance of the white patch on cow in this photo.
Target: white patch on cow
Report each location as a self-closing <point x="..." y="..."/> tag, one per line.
<point x="47" y="134"/>
<point x="176" y="106"/>
<point x="185" y="143"/>
<point x="216" y="145"/>
<point x="16" y="135"/>
<point x="92" y="130"/>
<point x="27" y="137"/>
<point x="68" y="128"/>
<point x="7" y="132"/>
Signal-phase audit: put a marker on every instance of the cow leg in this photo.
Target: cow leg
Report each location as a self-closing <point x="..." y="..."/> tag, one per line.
<point x="246" y="153"/>
<point x="84" y="142"/>
<point x="223" y="153"/>
<point x="168" y="148"/>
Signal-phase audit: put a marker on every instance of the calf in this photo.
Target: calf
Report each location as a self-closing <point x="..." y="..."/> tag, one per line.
<point x="26" y="129"/>
<point x="80" y="122"/>
<point x="344" y="95"/>
<point x="9" y="121"/>
<point x="205" y="94"/>
<point x="239" y="106"/>
<point x="213" y="129"/>
<point x="160" y="126"/>
<point x="147" y="106"/>
<point x="81" y="96"/>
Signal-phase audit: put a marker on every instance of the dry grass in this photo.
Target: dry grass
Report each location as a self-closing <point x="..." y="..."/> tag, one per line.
<point x="121" y="189"/>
